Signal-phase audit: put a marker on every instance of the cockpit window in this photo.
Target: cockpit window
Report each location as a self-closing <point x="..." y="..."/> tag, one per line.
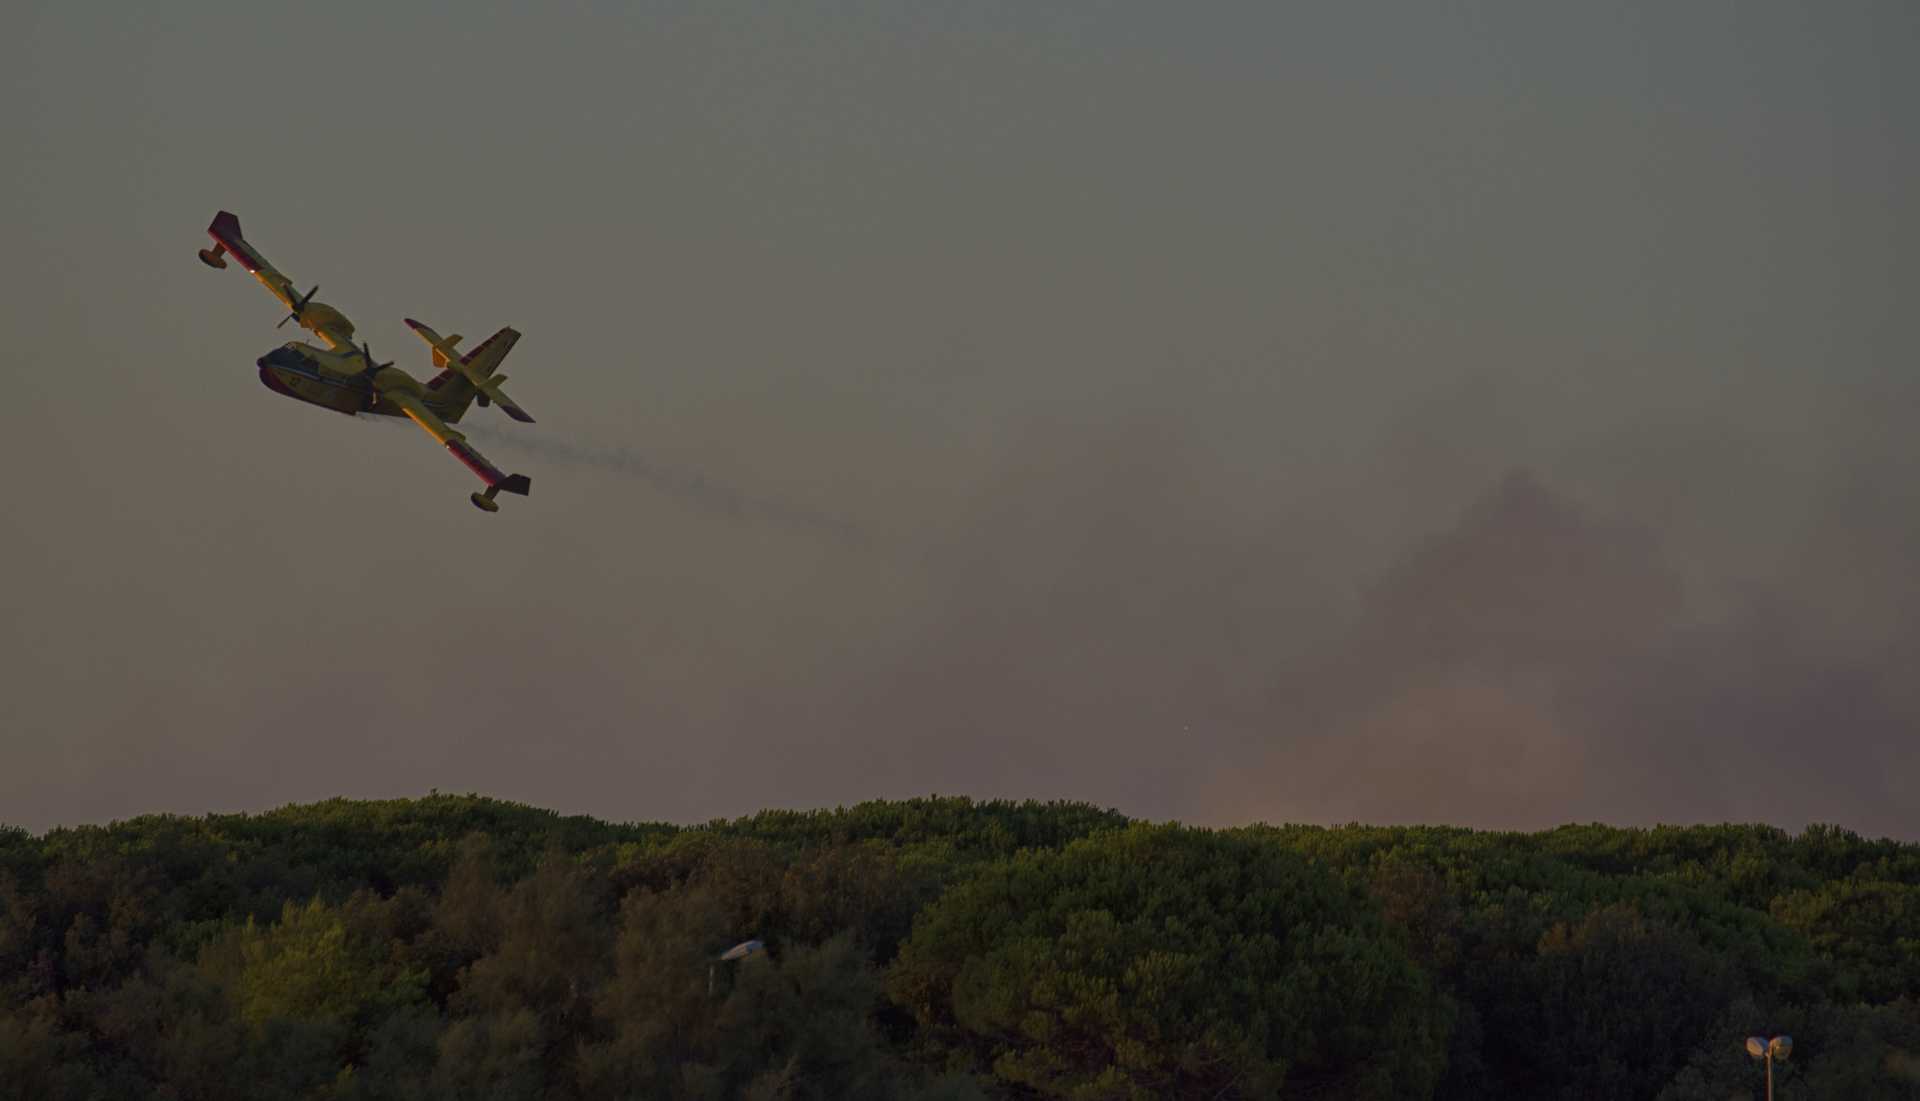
<point x="290" y="355"/>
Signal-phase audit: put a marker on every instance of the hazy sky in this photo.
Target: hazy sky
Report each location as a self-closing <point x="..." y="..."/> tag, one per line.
<point x="1485" y="414"/>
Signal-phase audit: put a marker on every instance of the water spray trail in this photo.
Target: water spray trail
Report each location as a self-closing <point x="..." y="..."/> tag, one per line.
<point x="686" y="486"/>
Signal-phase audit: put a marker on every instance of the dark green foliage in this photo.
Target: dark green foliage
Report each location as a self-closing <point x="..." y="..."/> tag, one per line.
<point x="1869" y="929"/>
<point x="1165" y="962"/>
<point x="456" y="947"/>
<point x="1581" y="1026"/>
<point x="1865" y="1053"/>
<point x="957" y="825"/>
<point x="41" y="1057"/>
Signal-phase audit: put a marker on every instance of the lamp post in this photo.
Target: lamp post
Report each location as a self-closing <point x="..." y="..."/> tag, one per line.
<point x="1779" y="1047"/>
<point x="738" y="952"/>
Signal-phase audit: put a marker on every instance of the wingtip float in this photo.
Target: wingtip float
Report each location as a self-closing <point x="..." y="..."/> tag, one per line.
<point x="344" y="377"/>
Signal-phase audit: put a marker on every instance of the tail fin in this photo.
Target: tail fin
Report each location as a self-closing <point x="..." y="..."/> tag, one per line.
<point x="475" y="370"/>
<point x="483" y="359"/>
<point x="443" y="347"/>
<point x="440" y="357"/>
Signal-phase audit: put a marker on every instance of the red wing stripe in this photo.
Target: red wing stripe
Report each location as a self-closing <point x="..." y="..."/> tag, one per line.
<point x="478" y="348"/>
<point x="226" y="231"/>
<point x="489" y="473"/>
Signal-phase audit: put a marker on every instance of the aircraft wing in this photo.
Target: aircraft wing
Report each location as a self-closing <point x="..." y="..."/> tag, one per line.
<point x="325" y="321"/>
<point x="453" y="441"/>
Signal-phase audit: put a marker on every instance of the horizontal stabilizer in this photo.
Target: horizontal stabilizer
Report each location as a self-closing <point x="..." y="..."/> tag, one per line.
<point x="476" y="367"/>
<point x="512" y="408"/>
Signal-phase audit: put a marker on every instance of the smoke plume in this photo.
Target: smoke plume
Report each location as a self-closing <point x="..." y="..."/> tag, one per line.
<point x="689" y="487"/>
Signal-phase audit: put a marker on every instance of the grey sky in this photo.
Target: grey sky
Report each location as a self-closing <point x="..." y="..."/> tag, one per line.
<point x="1485" y="414"/>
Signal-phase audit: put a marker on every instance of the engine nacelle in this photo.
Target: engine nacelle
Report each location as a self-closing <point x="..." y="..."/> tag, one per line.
<point x="318" y="315"/>
<point x="213" y="257"/>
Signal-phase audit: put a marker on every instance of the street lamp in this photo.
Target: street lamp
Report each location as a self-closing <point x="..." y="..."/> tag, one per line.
<point x="1777" y="1048"/>
<point x="738" y="952"/>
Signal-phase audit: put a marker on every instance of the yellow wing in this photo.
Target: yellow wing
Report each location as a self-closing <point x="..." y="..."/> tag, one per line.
<point x="323" y="320"/>
<point x="450" y="438"/>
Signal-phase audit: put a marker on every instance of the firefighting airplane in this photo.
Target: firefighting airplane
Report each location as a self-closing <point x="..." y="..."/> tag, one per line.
<point x="343" y="376"/>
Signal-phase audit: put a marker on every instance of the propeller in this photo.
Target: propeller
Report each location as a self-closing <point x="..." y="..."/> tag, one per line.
<point x="299" y="305"/>
<point x="371" y="374"/>
<point x="373" y="368"/>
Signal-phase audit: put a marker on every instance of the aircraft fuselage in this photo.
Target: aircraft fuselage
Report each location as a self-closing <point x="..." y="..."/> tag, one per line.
<point x="334" y="381"/>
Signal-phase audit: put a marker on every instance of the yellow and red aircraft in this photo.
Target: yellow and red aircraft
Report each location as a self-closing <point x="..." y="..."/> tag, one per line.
<point x="343" y="376"/>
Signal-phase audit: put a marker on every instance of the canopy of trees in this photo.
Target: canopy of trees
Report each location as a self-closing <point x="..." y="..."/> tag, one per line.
<point x="458" y="947"/>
